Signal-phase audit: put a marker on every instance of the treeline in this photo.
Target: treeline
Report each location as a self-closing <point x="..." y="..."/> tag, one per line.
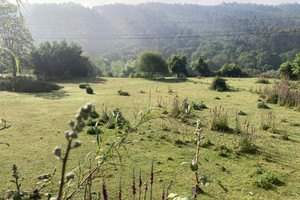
<point x="256" y="37"/>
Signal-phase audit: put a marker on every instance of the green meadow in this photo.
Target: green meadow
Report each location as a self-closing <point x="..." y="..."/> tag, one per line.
<point x="38" y="122"/>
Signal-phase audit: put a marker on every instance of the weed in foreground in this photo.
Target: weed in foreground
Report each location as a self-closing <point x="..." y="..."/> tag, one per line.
<point x="219" y="120"/>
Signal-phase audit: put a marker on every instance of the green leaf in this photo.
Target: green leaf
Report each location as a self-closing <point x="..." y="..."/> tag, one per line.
<point x="6" y="22"/>
<point x="205" y="181"/>
<point x="21" y="17"/>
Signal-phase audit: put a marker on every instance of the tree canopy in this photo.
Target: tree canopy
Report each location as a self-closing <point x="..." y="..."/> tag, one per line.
<point x="230" y="70"/>
<point x="60" y="60"/>
<point x="201" y="67"/>
<point x="151" y="63"/>
<point x="177" y="64"/>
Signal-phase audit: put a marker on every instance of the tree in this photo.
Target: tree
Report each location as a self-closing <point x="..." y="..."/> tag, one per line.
<point x="60" y="60"/>
<point x="230" y="70"/>
<point x="15" y="39"/>
<point x="201" y="67"/>
<point x="291" y="70"/>
<point x="152" y="62"/>
<point x="177" y="64"/>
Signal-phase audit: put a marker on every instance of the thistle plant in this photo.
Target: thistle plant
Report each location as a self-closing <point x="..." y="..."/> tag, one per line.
<point x="76" y="126"/>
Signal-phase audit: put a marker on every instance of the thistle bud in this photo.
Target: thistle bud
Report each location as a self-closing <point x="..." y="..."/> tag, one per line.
<point x="70" y="176"/>
<point x="81" y="124"/>
<point x="78" y="117"/>
<point x="194" y="166"/>
<point x="72" y="123"/>
<point x="73" y="134"/>
<point x="88" y="107"/>
<point x="57" y="151"/>
<point x="85" y="115"/>
<point x="67" y="134"/>
<point x="77" y="144"/>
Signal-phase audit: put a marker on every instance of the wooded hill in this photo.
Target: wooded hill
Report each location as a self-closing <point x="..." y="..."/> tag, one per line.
<point x="253" y="36"/>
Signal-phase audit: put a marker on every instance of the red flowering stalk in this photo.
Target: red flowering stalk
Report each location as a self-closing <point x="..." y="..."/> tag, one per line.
<point x="133" y="184"/>
<point x="120" y="190"/>
<point x="151" y="180"/>
<point x="140" y="185"/>
<point x="104" y="191"/>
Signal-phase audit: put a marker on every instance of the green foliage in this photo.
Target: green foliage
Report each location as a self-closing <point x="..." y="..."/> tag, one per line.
<point x="152" y="62"/>
<point x="177" y="64"/>
<point x="199" y="106"/>
<point x="89" y="90"/>
<point x="94" y="114"/>
<point x="219" y="84"/>
<point x="116" y="120"/>
<point x="60" y="60"/>
<point x="93" y="130"/>
<point x="201" y="67"/>
<point x="27" y="85"/>
<point x="230" y="70"/>
<point x="122" y="93"/>
<point x="262" y="105"/>
<point x="219" y="120"/>
<point x="83" y="85"/>
<point x="267" y="180"/>
<point x="263" y="81"/>
<point x="241" y="113"/>
<point x="246" y="144"/>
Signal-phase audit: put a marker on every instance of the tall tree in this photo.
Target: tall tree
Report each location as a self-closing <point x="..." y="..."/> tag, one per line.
<point x="201" y="67"/>
<point x="177" y="64"/>
<point x="152" y="62"/>
<point x="15" y="39"/>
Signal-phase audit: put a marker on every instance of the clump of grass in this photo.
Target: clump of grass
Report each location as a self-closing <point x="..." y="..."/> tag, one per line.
<point x="117" y="120"/>
<point x="269" y="122"/>
<point x="246" y="143"/>
<point x="219" y="120"/>
<point x="223" y="150"/>
<point x="93" y="130"/>
<point x="219" y="84"/>
<point x="182" y="110"/>
<point x="199" y="106"/>
<point x="283" y="94"/>
<point x="83" y="85"/>
<point x="170" y="90"/>
<point x="207" y="143"/>
<point x="142" y="91"/>
<point x="262" y="105"/>
<point x="217" y="98"/>
<point x="267" y="180"/>
<point x="89" y="90"/>
<point x="241" y="113"/>
<point x="122" y="93"/>
<point x="263" y="81"/>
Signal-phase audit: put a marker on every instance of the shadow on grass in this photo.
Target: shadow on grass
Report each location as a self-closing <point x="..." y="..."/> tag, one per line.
<point x="168" y="80"/>
<point x="54" y="95"/>
<point x="82" y="80"/>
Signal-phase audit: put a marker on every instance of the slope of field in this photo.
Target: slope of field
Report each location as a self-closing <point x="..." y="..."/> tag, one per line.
<point x="38" y="122"/>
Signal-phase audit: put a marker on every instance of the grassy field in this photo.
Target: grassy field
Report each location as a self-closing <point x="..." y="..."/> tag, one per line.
<point x="38" y="122"/>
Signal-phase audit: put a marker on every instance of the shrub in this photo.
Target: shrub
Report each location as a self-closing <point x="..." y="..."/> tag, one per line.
<point x="117" y="120"/>
<point x="183" y="110"/>
<point x="94" y="114"/>
<point x="267" y="180"/>
<point x="219" y="84"/>
<point x="89" y="90"/>
<point x="219" y="119"/>
<point x="83" y="85"/>
<point x="241" y="113"/>
<point x="196" y="106"/>
<point x="121" y="93"/>
<point x="263" y="81"/>
<point x="262" y="105"/>
<point x="27" y="85"/>
<point x="246" y="144"/>
<point x="93" y="131"/>
<point x="282" y="93"/>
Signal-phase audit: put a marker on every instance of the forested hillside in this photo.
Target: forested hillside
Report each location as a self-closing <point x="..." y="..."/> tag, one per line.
<point x="253" y="36"/>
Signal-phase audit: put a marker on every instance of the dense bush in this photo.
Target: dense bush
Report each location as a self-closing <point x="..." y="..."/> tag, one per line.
<point x="283" y="93"/>
<point x="262" y="105"/>
<point x="219" y="120"/>
<point x="219" y="84"/>
<point x="26" y="84"/>
<point x="60" y="60"/>
<point x="230" y="70"/>
<point x="83" y="85"/>
<point x="93" y="131"/>
<point x="89" y="90"/>
<point x="117" y="120"/>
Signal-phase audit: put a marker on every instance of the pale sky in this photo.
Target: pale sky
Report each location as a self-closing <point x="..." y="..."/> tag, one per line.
<point x="91" y="3"/>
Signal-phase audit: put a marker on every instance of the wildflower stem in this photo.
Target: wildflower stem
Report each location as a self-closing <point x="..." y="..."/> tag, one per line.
<point x="63" y="170"/>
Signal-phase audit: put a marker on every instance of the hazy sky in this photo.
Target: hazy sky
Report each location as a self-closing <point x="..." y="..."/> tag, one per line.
<point x="91" y="3"/>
